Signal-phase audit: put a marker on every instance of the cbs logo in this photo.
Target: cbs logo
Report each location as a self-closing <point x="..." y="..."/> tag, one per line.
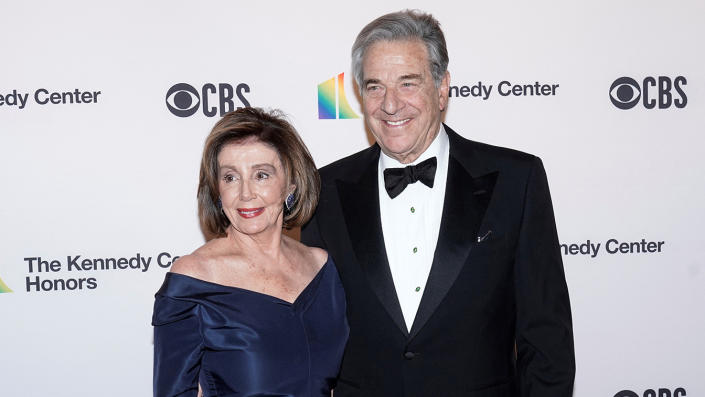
<point x="625" y="92"/>
<point x="184" y="100"/>
<point x="679" y="392"/>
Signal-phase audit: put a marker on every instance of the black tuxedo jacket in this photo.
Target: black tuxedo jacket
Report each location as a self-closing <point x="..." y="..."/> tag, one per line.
<point x="494" y="319"/>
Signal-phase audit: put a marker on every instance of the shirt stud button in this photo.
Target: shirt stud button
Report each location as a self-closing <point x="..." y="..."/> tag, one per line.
<point x="413" y="210"/>
<point x="415" y="250"/>
<point x="417" y="289"/>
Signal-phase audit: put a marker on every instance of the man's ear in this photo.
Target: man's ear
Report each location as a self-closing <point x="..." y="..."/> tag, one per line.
<point x="443" y="91"/>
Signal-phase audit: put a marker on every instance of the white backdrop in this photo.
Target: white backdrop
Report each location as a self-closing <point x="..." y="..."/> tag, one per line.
<point x="116" y="177"/>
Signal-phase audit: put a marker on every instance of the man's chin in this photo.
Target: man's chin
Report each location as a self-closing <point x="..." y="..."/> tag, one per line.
<point x="401" y="154"/>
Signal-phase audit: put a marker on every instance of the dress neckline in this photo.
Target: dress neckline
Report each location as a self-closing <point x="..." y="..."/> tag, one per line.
<point x="304" y="292"/>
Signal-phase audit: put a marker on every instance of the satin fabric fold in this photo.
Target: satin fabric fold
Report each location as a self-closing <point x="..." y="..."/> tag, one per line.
<point x="237" y="342"/>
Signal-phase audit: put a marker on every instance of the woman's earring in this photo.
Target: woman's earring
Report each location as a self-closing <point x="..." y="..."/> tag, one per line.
<point x="289" y="202"/>
<point x="219" y="204"/>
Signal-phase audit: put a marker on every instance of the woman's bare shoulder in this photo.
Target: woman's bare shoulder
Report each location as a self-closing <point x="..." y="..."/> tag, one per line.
<point x="319" y="255"/>
<point x="200" y="263"/>
<point x="311" y="254"/>
<point x="190" y="265"/>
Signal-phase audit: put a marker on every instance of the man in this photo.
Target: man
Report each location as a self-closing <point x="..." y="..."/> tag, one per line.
<point x="447" y="248"/>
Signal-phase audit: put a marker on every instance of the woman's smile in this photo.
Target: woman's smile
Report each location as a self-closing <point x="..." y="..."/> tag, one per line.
<point x="250" y="212"/>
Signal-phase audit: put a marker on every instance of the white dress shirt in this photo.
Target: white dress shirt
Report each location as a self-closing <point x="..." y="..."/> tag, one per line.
<point x="410" y="225"/>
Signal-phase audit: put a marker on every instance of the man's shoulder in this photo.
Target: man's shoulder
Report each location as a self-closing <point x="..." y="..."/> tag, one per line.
<point x="489" y="152"/>
<point x="487" y="155"/>
<point x="350" y="166"/>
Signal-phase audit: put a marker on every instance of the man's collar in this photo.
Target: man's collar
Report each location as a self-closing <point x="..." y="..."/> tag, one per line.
<point x="436" y="148"/>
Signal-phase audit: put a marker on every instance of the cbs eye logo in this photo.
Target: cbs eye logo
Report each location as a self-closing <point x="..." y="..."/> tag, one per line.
<point x="625" y="92"/>
<point x="183" y="100"/>
<point x="662" y="392"/>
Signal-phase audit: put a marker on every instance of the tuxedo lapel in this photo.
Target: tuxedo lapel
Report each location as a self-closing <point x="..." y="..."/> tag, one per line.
<point x="464" y="207"/>
<point x="360" y="202"/>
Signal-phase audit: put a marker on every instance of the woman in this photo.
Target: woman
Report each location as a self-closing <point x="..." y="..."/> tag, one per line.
<point x="251" y="312"/>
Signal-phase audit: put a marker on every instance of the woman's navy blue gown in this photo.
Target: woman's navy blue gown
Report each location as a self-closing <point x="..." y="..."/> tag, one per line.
<point x="237" y="342"/>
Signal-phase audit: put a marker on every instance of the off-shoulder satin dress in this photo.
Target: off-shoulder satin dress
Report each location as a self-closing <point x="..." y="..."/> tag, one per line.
<point x="237" y="342"/>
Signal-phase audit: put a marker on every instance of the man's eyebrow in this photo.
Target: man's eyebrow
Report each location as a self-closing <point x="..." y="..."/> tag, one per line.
<point x="370" y="81"/>
<point x="414" y="76"/>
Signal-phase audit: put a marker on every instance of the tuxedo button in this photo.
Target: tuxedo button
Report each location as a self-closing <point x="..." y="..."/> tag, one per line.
<point x="409" y="355"/>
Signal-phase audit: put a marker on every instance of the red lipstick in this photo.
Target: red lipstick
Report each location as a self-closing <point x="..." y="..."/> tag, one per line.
<point x="250" y="212"/>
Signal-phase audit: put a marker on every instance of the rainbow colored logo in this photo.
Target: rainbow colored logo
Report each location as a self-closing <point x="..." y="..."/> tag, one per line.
<point x="332" y="106"/>
<point x="4" y="287"/>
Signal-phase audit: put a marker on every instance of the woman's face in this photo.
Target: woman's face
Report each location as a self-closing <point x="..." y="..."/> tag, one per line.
<point x="252" y="186"/>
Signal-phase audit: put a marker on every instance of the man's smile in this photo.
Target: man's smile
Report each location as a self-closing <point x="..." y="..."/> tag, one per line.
<point x="396" y="123"/>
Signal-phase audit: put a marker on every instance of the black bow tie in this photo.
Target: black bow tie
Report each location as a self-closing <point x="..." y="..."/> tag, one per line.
<point x="397" y="179"/>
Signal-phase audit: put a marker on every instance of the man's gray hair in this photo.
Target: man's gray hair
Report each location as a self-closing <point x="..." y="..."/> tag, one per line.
<point x="402" y="26"/>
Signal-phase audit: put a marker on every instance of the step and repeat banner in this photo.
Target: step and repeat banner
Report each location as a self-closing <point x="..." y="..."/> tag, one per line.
<point x="104" y="109"/>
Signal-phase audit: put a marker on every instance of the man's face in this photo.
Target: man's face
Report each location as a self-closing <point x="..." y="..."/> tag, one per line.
<point x="402" y="106"/>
